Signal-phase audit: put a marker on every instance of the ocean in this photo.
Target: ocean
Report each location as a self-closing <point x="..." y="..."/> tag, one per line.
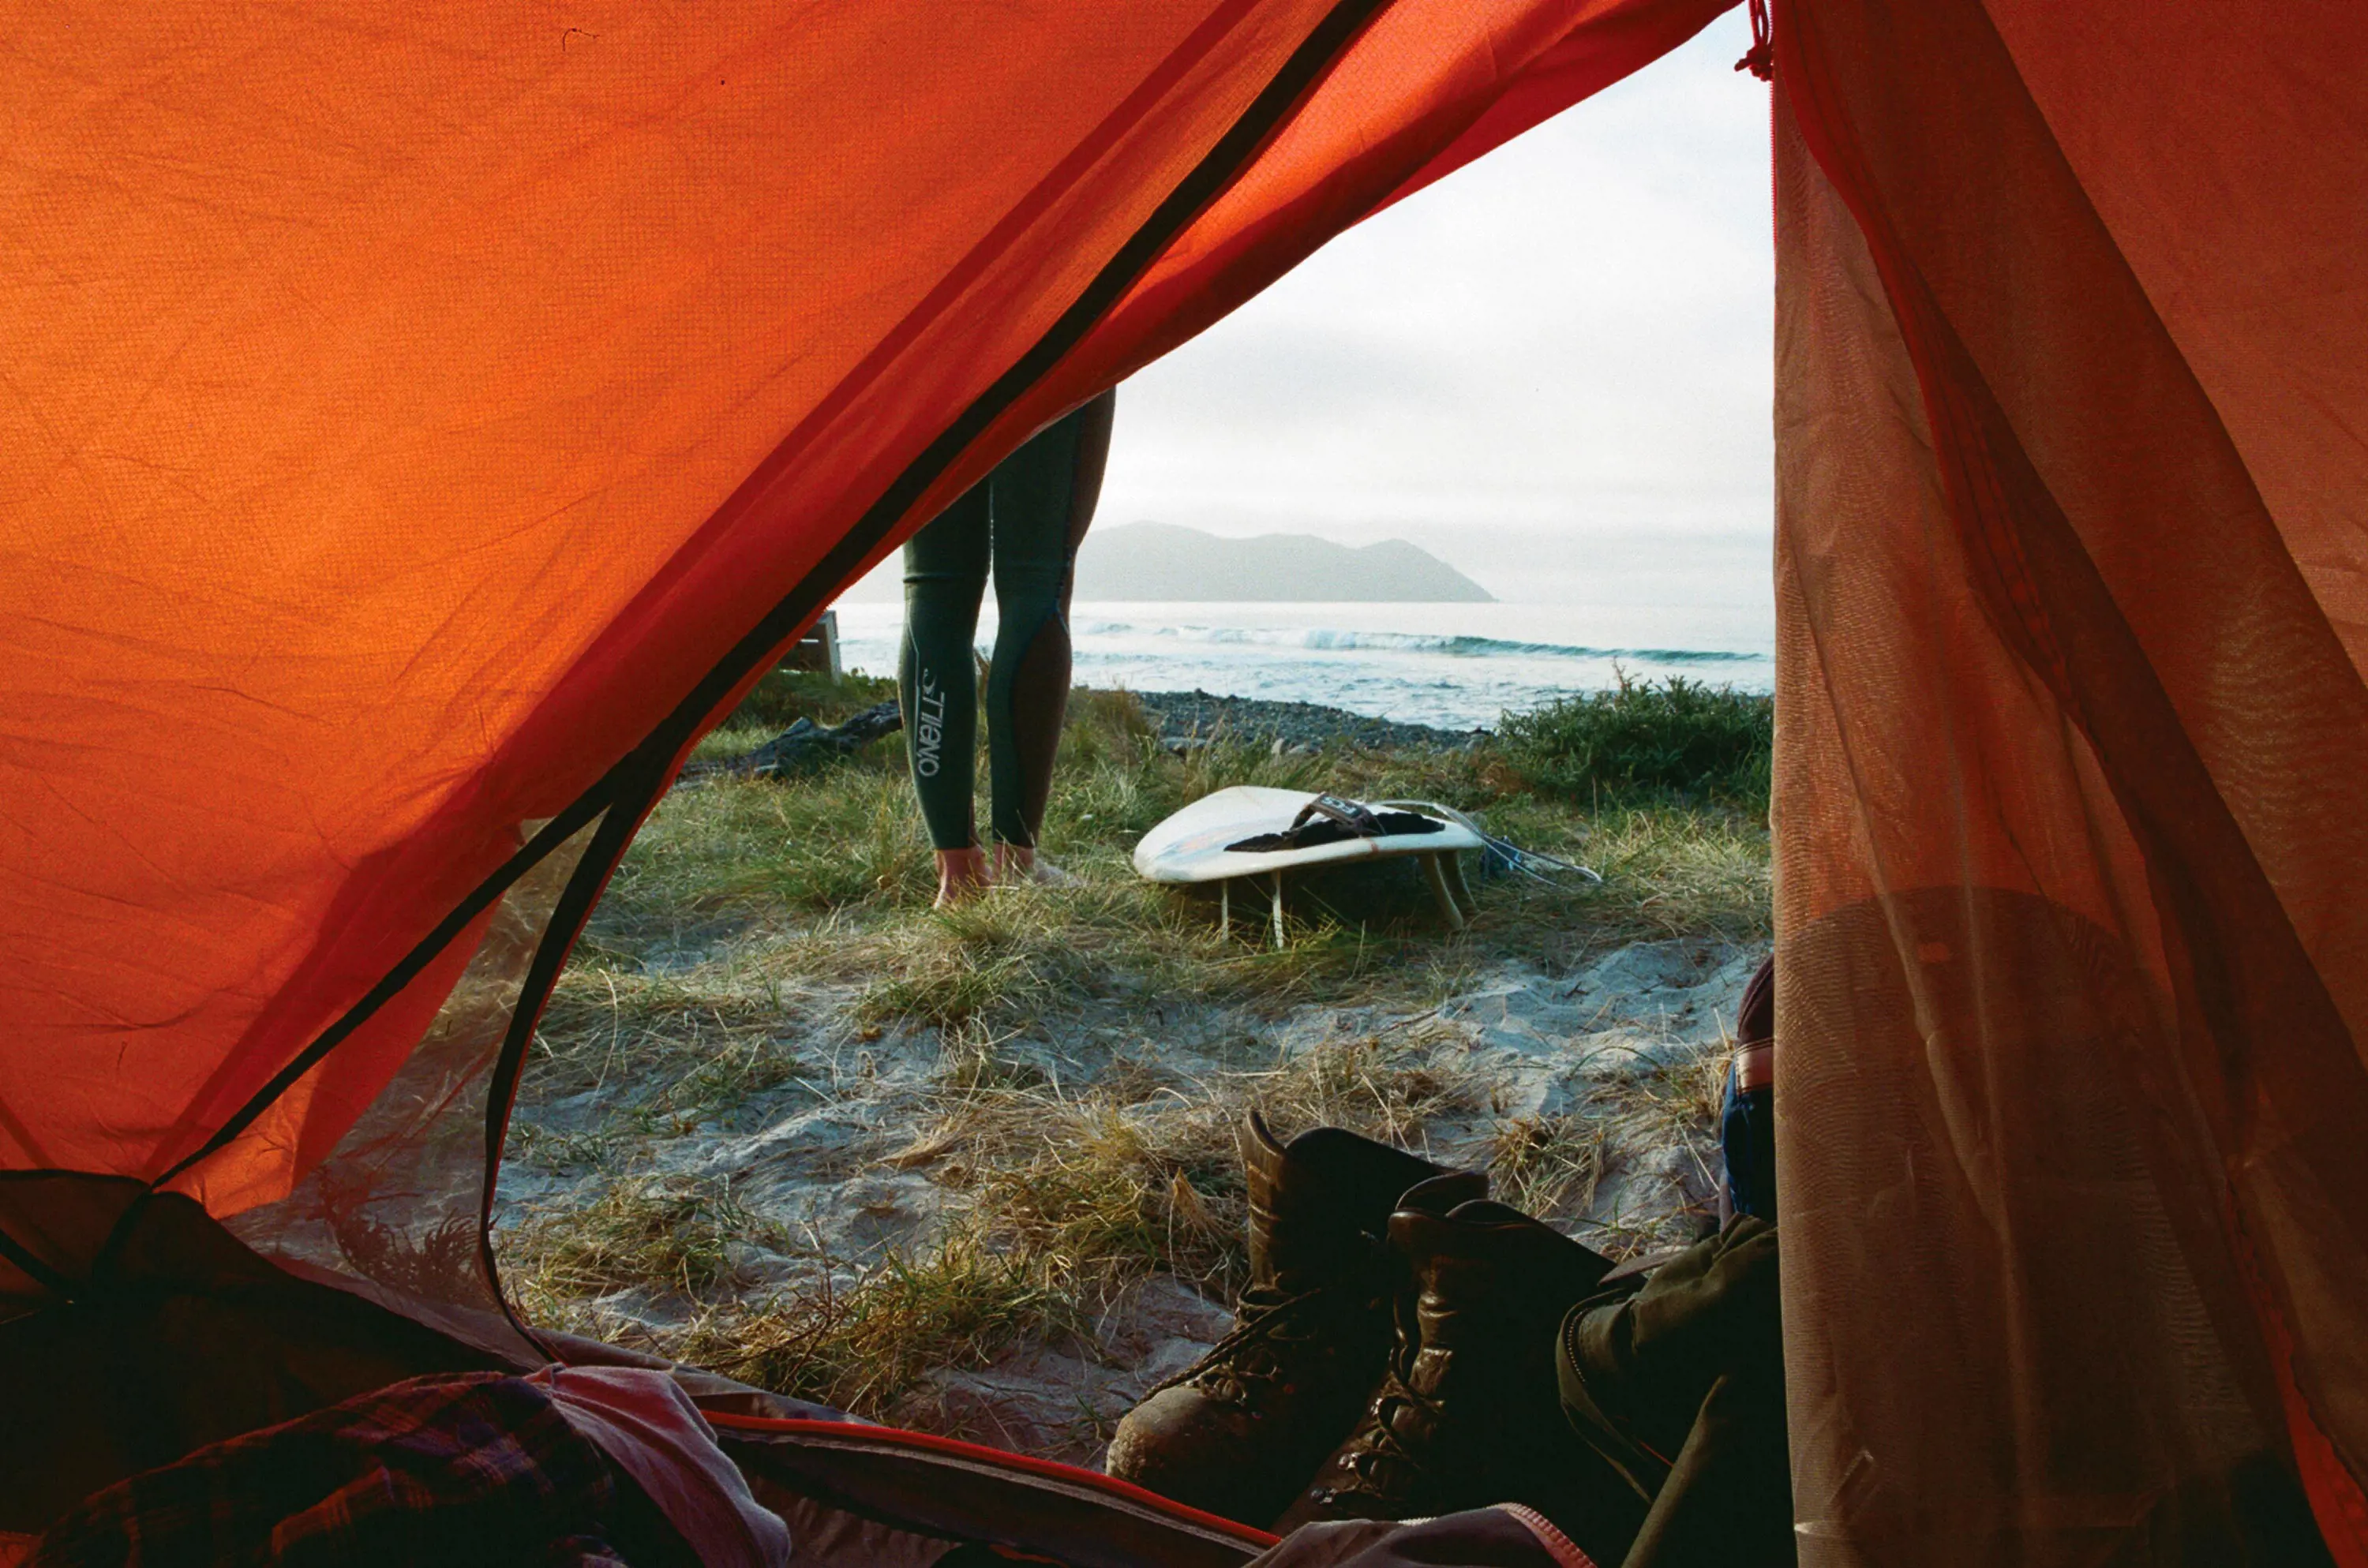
<point x="1451" y="666"/>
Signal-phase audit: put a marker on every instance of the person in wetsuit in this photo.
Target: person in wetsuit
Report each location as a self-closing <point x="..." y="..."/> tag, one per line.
<point x="1028" y="516"/>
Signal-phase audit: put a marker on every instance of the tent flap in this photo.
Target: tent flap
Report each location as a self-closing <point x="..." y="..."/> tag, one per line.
<point x="407" y="428"/>
<point x="2071" y="805"/>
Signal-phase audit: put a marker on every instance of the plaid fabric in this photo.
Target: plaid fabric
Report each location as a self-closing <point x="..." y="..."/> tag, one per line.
<point x="472" y="1468"/>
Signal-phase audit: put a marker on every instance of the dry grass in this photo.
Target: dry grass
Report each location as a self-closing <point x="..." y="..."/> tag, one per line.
<point x="640" y="1234"/>
<point x="681" y="1050"/>
<point x="829" y="879"/>
<point x="1065" y="1199"/>
<point x="1548" y="1165"/>
<point x="864" y="1348"/>
<point x="1142" y="1171"/>
<point x="752" y="919"/>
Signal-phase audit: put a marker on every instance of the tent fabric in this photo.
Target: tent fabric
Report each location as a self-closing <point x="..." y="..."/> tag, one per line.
<point x="406" y="423"/>
<point x="452" y="355"/>
<point x="2070" y="804"/>
<point x="178" y="1337"/>
<point x="400" y="1209"/>
<point x="414" y="433"/>
<point x="417" y="427"/>
<point x="416" y="441"/>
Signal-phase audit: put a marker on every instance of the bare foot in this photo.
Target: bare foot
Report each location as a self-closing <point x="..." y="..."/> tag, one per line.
<point x="962" y="876"/>
<point x="1015" y="863"/>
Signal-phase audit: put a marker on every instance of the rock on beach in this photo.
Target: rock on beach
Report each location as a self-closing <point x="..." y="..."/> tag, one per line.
<point x="1185" y="718"/>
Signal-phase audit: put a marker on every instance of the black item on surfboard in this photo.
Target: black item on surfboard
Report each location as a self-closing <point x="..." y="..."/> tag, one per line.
<point x="1329" y="819"/>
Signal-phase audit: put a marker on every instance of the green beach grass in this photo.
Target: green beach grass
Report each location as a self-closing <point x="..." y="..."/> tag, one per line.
<point x="751" y="916"/>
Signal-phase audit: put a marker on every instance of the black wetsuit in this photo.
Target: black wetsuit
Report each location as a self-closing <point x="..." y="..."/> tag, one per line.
<point x="1029" y="515"/>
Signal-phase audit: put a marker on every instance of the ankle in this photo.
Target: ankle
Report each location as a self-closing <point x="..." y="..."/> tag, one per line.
<point x="1017" y="864"/>
<point x="962" y="875"/>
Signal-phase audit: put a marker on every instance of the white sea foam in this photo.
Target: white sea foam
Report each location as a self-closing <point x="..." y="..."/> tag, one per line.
<point x="1452" y="665"/>
<point x="1454" y="645"/>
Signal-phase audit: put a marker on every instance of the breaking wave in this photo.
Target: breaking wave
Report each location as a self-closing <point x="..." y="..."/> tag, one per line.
<point x="1449" y="645"/>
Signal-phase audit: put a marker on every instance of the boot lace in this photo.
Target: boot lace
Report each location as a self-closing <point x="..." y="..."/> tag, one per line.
<point x="1378" y="1461"/>
<point x="1250" y="1357"/>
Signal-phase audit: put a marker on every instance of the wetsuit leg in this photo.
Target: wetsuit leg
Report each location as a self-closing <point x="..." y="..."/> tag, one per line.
<point x="1043" y="500"/>
<point x="937" y="671"/>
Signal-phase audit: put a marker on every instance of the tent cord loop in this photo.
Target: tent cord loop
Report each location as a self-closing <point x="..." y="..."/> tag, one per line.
<point x="1760" y="59"/>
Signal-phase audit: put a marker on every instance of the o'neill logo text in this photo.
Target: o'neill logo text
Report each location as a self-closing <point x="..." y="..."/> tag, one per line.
<point x="929" y="727"/>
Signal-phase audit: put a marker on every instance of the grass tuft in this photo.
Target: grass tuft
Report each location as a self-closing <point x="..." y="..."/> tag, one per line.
<point x="762" y="939"/>
<point x="1548" y="1165"/>
<point x="865" y="1346"/>
<point x="1673" y="739"/>
<point x="643" y="1233"/>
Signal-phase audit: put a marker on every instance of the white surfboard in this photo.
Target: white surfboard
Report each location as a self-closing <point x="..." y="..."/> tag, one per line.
<point x="1191" y="847"/>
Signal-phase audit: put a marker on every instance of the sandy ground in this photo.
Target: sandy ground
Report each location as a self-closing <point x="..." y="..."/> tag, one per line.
<point x="830" y="1156"/>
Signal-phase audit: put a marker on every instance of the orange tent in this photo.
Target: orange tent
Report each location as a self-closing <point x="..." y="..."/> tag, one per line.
<point x="417" y="427"/>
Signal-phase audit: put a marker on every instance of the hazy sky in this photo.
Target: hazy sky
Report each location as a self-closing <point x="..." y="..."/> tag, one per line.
<point x="1552" y="369"/>
<point x="1558" y="355"/>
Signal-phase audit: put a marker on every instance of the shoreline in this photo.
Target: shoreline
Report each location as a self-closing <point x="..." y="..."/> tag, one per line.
<point x="1183" y="717"/>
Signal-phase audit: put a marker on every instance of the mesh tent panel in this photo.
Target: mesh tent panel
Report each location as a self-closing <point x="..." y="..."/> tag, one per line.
<point x="396" y="1209"/>
<point x="2068" y="813"/>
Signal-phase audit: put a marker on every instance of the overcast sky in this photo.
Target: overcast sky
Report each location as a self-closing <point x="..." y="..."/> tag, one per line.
<point x="1557" y="357"/>
<point x="1552" y="369"/>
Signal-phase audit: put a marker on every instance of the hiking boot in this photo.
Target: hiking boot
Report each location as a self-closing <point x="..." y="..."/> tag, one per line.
<point x="1468" y="1414"/>
<point x="1239" y="1431"/>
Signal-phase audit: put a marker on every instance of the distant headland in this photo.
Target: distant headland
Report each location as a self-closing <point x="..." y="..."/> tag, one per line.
<point x="1166" y="562"/>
